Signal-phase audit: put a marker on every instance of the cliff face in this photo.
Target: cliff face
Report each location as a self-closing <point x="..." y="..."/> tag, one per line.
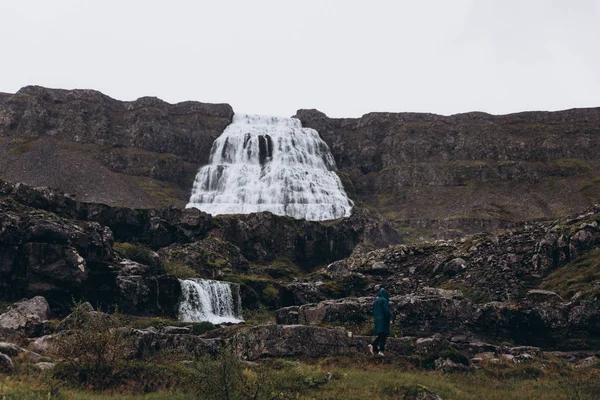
<point x="435" y="176"/>
<point x="142" y="153"/>
<point x="440" y="176"/>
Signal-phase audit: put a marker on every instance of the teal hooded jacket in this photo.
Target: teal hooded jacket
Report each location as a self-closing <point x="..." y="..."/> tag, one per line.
<point x="381" y="313"/>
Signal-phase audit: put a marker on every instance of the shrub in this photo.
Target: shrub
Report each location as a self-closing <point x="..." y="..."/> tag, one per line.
<point x="180" y="270"/>
<point x="137" y="253"/>
<point x="93" y="349"/>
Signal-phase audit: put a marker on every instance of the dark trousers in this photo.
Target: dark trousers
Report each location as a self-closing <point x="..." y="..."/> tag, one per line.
<point x="379" y="343"/>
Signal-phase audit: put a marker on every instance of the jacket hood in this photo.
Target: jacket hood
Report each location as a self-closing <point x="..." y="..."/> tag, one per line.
<point x="383" y="293"/>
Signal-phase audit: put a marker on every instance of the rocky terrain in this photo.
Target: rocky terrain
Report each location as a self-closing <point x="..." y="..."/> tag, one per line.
<point x="440" y="177"/>
<point x="434" y="176"/>
<point x="527" y="296"/>
<point x="143" y="153"/>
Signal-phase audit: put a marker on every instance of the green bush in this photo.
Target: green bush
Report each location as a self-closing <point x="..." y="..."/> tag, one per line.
<point x="137" y="253"/>
<point x="92" y="350"/>
<point x="180" y="270"/>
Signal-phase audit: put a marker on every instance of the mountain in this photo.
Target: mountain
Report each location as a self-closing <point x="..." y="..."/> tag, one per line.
<point x="433" y="176"/>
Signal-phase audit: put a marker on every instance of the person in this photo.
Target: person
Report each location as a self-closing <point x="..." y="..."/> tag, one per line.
<point x="382" y="316"/>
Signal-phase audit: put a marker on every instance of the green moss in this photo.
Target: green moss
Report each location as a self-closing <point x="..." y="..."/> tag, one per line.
<point x="21" y="145"/>
<point x="577" y="276"/>
<point x="477" y="296"/>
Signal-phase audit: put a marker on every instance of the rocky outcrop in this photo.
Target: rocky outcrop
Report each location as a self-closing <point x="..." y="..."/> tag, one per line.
<point x="27" y="317"/>
<point x="543" y="319"/>
<point x="262" y="237"/>
<point x="6" y="364"/>
<point x="134" y="154"/>
<point x="148" y="342"/>
<point x="306" y="341"/>
<point x="499" y="266"/>
<point x="210" y="257"/>
<point x="441" y="177"/>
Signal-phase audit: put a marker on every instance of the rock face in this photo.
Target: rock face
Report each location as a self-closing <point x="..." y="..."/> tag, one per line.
<point x="442" y="176"/>
<point x="307" y="341"/>
<point x="104" y="150"/>
<point x="62" y="249"/>
<point x="500" y="266"/>
<point x="544" y="319"/>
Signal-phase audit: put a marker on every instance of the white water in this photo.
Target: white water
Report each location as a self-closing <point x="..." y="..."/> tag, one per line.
<point x="208" y="300"/>
<point x="271" y="164"/>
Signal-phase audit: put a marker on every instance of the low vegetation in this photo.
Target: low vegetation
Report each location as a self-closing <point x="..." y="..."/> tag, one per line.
<point x="227" y="377"/>
<point x="580" y="276"/>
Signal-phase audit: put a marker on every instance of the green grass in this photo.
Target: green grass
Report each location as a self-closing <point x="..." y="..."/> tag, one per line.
<point x="477" y="296"/>
<point x="136" y="252"/>
<point x="180" y="270"/>
<point x="341" y="378"/>
<point x="577" y="276"/>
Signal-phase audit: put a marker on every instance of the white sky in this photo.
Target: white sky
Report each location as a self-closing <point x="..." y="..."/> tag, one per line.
<point x="344" y="57"/>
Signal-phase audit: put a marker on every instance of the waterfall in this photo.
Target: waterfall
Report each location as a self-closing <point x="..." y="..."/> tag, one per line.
<point x="271" y="164"/>
<point x="208" y="300"/>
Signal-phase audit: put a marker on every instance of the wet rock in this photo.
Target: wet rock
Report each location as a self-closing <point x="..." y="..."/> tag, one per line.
<point x="29" y="317"/>
<point x="148" y="295"/>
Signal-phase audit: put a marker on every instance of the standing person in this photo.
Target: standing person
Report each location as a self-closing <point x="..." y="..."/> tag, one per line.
<point x="381" y="314"/>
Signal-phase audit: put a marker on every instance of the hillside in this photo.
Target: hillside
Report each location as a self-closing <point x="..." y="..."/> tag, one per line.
<point x="434" y="176"/>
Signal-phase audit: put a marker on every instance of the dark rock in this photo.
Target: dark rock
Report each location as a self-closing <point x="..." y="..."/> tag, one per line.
<point x="6" y="364"/>
<point x="82" y="132"/>
<point x="147" y="343"/>
<point x="210" y="257"/>
<point x="417" y="168"/>
<point x="306" y="341"/>
<point x="148" y="295"/>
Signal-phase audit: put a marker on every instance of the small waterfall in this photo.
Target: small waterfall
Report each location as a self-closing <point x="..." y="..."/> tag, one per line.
<point x="208" y="300"/>
<point x="271" y="164"/>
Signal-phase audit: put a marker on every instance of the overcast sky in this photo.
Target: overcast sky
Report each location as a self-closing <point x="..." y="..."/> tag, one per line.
<point x="343" y="57"/>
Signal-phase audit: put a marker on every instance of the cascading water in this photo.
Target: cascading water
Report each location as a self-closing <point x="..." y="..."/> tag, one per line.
<point x="270" y="164"/>
<point x="208" y="300"/>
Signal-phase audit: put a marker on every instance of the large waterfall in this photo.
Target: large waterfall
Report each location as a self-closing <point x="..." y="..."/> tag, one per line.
<point x="270" y="164"/>
<point x="208" y="300"/>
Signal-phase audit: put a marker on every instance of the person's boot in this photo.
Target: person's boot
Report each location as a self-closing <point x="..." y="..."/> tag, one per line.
<point x="380" y="353"/>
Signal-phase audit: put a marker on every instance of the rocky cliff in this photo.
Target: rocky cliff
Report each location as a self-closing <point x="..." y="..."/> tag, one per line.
<point x="143" y="153"/>
<point x="441" y="176"/>
<point x="435" y="176"/>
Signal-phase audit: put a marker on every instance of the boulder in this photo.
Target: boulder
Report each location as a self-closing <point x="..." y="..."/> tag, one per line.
<point x="45" y="366"/>
<point x="148" y="295"/>
<point x="147" y="342"/>
<point x="82" y="316"/>
<point x="6" y="364"/>
<point x="307" y="341"/>
<point x="447" y="365"/>
<point x="29" y="317"/>
<point x="42" y="344"/>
